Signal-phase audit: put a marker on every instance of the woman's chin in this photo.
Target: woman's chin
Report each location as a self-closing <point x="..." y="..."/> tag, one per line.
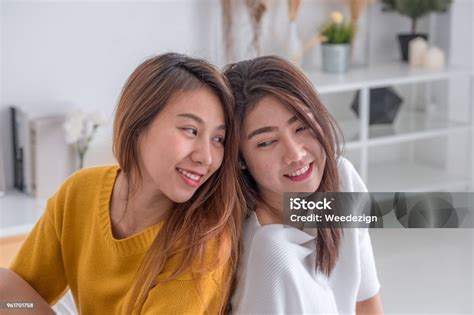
<point x="181" y="198"/>
<point x="307" y="189"/>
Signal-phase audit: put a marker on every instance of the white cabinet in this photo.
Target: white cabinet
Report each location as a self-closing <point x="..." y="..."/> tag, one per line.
<point x="428" y="147"/>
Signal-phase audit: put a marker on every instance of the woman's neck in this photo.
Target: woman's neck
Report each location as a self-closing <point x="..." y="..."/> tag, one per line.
<point x="270" y="209"/>
<point x="133" y="211"/>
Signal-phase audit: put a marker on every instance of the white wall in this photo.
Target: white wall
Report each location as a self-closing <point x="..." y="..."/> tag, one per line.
<point x="81" y="53"/>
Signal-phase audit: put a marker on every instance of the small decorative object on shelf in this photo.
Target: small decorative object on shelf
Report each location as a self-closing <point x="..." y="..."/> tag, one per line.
<point x="80" y="130"/>
<point x="227" y="8"/>
<point x="384" y="105"/>
<point x="3" y="171"/>
<point x="336" y="38"/>
<point x="360" y="44"/>
<point x="294" y="43"/>
<point x="434" y="59"/>
<point x="421" y="56"/>
<point x="256" y="10"/>
<point x="295" y="46"/>
<point x="417" y="51"/>
<point x="414" y="9"/>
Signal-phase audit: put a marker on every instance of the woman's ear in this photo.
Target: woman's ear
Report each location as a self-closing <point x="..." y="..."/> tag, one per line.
<point x="242" y="165"/>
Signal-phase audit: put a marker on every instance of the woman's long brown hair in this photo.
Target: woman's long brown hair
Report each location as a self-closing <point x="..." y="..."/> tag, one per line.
<point x="251" y="80"/>
<point x="215" y="213"/>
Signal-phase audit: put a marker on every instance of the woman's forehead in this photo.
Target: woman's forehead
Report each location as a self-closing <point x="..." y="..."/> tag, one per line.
<point x="271" y="108"/>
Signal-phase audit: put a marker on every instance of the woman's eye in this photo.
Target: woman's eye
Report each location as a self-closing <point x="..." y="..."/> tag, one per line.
<point x="265" y="143"/>
<point x="219" y="139"/>
<point x="192" y="131"/>
<point x="301" y="128"/>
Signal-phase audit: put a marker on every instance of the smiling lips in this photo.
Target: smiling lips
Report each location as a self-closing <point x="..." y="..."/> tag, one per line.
<point x="192" y="179"/>
<point x="189" y="178"/>
<point x="301" y="174"/>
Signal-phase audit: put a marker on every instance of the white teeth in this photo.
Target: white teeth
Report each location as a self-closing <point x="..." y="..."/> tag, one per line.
<point x="303" y="170"/>
<point x="189" y="175"/>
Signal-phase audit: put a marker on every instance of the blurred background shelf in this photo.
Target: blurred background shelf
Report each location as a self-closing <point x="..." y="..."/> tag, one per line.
<point x="409" y="125"/>
<point x="380" y="75"/>
<point x="412" y="125"/>
<point x="351" y="131"/>
<point x="413" y="177"/>
<point x="434" y="126"/>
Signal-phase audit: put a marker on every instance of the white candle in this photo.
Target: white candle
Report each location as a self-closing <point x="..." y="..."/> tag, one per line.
<point x="416" y="51"/>
<point x="434" y="59"/>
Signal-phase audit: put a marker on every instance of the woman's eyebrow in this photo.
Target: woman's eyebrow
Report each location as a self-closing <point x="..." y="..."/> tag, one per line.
<point x="292" y="120"/>
<point x="198" y="119"/>
<point x="193" y="117"/>
<point x="270" y="129"/>
<point x="261" y="130"/>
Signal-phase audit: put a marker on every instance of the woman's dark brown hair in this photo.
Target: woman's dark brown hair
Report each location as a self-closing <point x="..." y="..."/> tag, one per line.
<point x="215" y="213"/>
<point x="252" y="80"/>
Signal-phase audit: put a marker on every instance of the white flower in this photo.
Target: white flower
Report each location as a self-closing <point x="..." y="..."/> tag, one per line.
<point x="337" y="17"/>
<point x="98" y="118"/>
<point x="80" y="130"/>
<point x="73" y="126"/>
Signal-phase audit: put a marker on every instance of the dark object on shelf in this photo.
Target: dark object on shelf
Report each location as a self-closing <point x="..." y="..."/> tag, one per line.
<point x="404" y="41"/>
<point x="18" y="176"/>
<point x="384" y="105"/>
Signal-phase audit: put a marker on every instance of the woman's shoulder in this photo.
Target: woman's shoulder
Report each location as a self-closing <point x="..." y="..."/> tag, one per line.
<point x="208" y="267"/>
<point x="93" y="174"/>
<point x="84" y="186"/>
<point x="349" y="177"/>
<point x="272" y="240"/>
<point x="90" y="178"/>
<point x="345" y="166"/>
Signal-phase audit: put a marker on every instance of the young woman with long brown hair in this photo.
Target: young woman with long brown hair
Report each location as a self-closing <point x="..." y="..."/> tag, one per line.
<point x="289" y="143"/>
<point x="159" y="233"/>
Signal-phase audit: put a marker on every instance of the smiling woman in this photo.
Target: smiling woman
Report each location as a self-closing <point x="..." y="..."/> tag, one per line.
<point x="282" y="137"/>
<point x="192" y="129"/>
<point x="159" y="233"/>
<point x="289" y="143"/>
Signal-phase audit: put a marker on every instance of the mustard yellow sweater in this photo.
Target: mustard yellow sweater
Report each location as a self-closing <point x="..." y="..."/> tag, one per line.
<point x="72" y="245"/>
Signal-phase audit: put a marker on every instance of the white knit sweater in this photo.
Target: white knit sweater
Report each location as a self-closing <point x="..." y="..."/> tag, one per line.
<point x="277" y="273"/>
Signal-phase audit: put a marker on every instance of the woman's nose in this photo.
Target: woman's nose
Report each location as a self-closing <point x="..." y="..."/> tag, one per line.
<point x="202" y="153"/>
<point x="294" y="151"/>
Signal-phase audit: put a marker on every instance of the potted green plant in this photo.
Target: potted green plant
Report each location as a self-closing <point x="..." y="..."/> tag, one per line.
<point x="336" y="39"/>
<point x="414" y="9"/>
